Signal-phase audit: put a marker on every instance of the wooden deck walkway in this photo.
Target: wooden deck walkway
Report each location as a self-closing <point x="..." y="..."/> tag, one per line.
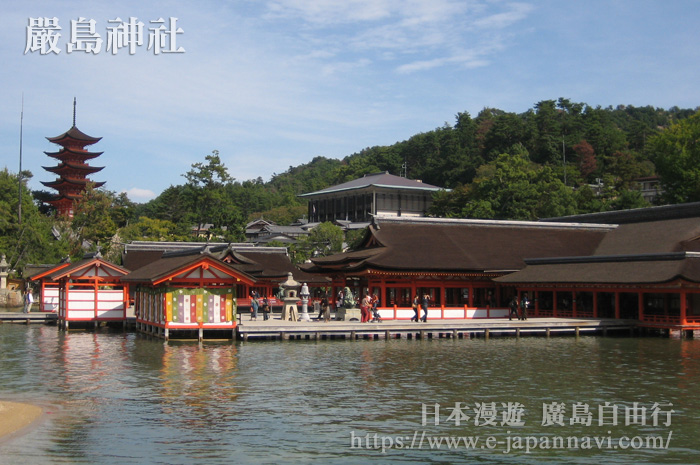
<point x="315" y="330"/>
<point x="277" y="329"/>
<point x="28" y="318"/>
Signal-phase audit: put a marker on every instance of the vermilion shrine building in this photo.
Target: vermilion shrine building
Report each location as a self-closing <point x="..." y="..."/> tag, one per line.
<point x="639" y="264"/>
<point x="88" y="291"/>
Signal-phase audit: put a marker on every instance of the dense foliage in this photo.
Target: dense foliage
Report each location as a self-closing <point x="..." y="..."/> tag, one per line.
<point x="558" y="158"/>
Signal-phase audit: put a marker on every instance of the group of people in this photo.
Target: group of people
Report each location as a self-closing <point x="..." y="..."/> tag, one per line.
<point x="520" y="311"/>
<point x="370" y="302"/>
<point x="368" y="309"/>
<point x="256" y="303"/>
<point x="422" y="303"/>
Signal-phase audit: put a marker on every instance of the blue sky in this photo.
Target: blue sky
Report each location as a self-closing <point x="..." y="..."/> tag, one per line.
<point x="274" y="83"/>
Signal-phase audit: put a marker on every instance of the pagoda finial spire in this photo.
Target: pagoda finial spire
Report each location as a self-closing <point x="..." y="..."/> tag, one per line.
<point x="74" y="105"/>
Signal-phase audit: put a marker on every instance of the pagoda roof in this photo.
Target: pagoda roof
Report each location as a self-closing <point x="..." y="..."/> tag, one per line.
<point x="70" y="182"/>
<point x="65" y="166"/>
<point x="75" y="134"/>
<point x="63" y="198"/>
<point x="74" y="153"/>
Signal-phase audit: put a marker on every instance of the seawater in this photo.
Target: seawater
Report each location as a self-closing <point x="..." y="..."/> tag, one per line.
<point x="125" y="398"/>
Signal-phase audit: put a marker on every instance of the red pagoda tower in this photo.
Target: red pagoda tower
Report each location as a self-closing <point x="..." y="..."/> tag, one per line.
<point x="73" y="169"/>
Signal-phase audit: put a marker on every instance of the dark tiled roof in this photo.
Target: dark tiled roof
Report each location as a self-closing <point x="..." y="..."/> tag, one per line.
<point x="167" y="265"/>
<point x="652" y="237"/>
<point x="616" y="270"/>
<point x="137" y="259"/>
<point x="461" y="246"/>
<point x="645" y="252"/>
<point x="636" y="215"/>
<point x="378" y="180"/>
<point x="274" y="266"/>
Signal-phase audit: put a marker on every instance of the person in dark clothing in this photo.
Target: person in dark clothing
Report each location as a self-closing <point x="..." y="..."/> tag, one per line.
<point x="415" y="308"/>
<point x="523" y="307"/>
<point x="424" y="304"/>
<point x="513" y="309"/>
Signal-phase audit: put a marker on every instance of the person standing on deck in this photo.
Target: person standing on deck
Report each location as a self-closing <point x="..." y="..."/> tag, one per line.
<point x="365" y="306"/>
<point x="28" y="300"/>
<point x="254" y="305"/>
<point x="424" y="304"/>
<point x="523" y="307"/>
<point x="513" y="308"/>
<point x="415" y="308"/>
<point x="266" y="308"/>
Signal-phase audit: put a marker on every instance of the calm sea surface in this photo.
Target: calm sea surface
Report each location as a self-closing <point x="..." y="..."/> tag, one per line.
<point x="123" y="398"/>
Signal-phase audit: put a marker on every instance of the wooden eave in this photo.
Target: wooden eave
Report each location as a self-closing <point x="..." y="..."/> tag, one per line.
<point x="74" y="268"/>
<point x="43" y="274"/>
<point x="159" y="271"/>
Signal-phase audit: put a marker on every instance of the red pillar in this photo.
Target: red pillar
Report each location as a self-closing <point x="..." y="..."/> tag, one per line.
<point x="595" y="304"/>
<point x="684" y="307"/>
<point x="617" y="305"/>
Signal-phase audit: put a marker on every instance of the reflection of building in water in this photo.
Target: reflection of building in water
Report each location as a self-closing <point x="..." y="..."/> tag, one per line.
<point x="196" y="384"/>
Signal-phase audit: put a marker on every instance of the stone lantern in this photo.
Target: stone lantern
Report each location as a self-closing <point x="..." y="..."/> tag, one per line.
<point x="304" y="294"/>
<point x="3" y="272"/>
<point x="289" y="287"/>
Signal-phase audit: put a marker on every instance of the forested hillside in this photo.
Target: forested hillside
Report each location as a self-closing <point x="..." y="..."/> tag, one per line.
<point x="558" y="158"/>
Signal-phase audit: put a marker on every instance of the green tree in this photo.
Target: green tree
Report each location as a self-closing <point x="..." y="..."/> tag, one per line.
<point x="676" y="153"/>
<point x="512" y="187"/>
<point x="148" y="229"/>
<point x="92" y="222"/>
<point x="324" y="239"/>
<point x="29" y="240"/>
<point x="207" y="198"/>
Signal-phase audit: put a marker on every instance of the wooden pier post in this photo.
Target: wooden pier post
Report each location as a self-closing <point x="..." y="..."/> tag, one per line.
<point x="486" y="333"/>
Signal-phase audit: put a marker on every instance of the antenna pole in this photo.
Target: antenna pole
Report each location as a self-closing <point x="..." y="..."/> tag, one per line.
<point x="19" y="205"/>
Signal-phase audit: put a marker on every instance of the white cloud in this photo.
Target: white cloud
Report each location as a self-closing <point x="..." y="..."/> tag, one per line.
<point x="138" y="195"/>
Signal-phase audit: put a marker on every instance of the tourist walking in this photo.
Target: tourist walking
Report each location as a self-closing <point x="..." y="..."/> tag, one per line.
<point x="28" y="300"/>
<point x="415" y="308"/>
<point x="424" y="304"/>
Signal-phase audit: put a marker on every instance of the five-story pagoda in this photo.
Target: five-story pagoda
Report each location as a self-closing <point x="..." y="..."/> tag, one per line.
<point x="73" y="169"/>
